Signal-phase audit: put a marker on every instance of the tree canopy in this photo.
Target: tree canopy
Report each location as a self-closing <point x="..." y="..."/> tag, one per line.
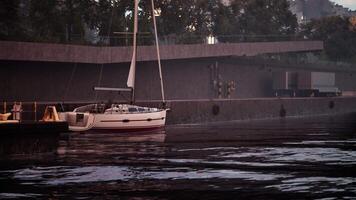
<point x="10" y="22"/>
<point x="338" y="34"/>
<point x="180" y="20"/>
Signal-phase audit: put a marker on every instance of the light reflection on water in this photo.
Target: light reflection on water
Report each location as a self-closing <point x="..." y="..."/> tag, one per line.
<point x="317" y="184"/>
<point x="293" y="155"/>
<point x="311" y="158"/>
<point x="65" y="175"/>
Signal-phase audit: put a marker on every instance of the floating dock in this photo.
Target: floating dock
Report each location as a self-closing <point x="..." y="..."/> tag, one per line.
<point x="24" y="119"/>
<point x="32" y="127"/>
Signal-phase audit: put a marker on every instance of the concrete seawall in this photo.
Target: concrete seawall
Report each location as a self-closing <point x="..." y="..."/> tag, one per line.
<point x="183" y="79"/>
<point x="26" y="51"/>
<point x="206" y="111"/>
<point x="220" y="110"/>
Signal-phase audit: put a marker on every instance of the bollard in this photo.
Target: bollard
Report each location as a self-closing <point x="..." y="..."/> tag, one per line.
<point x="4" y="107"/>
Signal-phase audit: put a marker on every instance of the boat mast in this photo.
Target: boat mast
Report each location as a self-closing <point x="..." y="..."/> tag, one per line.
<point x="158" y="53"/>
<point x="132" y="74"/>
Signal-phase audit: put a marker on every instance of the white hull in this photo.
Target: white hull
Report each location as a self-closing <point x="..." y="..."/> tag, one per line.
<point x="86" y="121"/>
<point x="130" y="121"/>
<point x="112" y="120"/>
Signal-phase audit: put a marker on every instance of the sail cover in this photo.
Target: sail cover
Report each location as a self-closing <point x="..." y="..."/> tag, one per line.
<point x="132" y="73"/>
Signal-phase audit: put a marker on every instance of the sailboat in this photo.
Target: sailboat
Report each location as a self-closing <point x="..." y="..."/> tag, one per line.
<point x="121" y="116"/>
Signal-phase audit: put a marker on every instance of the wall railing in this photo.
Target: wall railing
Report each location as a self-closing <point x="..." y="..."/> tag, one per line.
<point x="148" y="39"/>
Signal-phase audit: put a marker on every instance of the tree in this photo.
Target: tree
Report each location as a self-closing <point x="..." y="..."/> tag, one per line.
<point x="339" y="39"/>
<point x="255" y="18"/>
<point x="10" y="22"/>
<point x="105" y="11"/>
<point x="46" y="23"/>
<point x="227" y="23"/>
<point x="202" y="18"/>
<point x="187" y="21"/>
<point x="180" y="21"/>
<point x="77" y="16"/>
<point x="61" y="21"/>
<point x="174" y="18"/>
<point x="268" y="17"/>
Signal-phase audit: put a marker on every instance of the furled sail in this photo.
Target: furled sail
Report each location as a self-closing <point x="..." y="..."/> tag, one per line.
<point x="132" y="73"/>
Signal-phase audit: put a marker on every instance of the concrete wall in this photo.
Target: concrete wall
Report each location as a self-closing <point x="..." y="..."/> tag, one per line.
<point x="189" y="87"/>
<point x="215" y="110"/>
<point x="184" y="79"/>
<point x="190" y="112"/>
<point x="207" y="111"/>
<point x="89" y="54"/>
<point x="346" y="81"/>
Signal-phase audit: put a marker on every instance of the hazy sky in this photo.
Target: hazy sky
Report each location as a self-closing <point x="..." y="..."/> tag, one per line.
<point x="347" y="3"/>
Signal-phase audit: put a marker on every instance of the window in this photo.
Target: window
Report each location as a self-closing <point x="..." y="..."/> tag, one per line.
<point x="132" y="109"/>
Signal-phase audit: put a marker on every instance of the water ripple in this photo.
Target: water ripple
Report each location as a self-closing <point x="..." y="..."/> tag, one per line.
<point x="66" y="175"/>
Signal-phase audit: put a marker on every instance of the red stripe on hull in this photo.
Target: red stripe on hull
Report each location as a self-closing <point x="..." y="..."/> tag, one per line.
<point x="131" y="129"/>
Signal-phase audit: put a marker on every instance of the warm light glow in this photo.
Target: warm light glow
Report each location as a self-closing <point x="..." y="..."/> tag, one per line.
<point x="157" y="12"/>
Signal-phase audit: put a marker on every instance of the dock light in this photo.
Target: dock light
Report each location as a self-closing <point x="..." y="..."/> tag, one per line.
<point x="157" y="12"/>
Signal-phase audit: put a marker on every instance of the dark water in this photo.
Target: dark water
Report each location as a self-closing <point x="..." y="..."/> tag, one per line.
<point x="311" y="158"/>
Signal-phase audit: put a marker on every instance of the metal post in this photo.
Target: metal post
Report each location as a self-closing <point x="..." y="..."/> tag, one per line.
<point x="20" y="117"/>
<point x="14" y="115"/>
<point x="132" y="102"/>
<point x="19" y="111"/>
<point x="158" y="53"/>
<point x="35" y="110"/>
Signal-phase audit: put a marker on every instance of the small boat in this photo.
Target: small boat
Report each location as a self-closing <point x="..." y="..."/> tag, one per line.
<point x="121" y="116"/>
<point x="117" y="117"/>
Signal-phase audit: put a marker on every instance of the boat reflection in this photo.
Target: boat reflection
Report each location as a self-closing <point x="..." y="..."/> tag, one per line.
<point x="92" y="147"/>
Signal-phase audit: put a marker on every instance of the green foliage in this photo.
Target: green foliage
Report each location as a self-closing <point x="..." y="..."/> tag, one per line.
<point x="61" y="21"/>
<point x="335" y="31"/>
<point x="228" y="21"/>
<point x="181" y="21"/>
<point x="268" y="17"/>
<point x="255" y="18"/>
<point x="175" y="18"/>
<point x="77" y="15"/>
<point x="10" y="22"/>
<point x="45" y="21"/>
